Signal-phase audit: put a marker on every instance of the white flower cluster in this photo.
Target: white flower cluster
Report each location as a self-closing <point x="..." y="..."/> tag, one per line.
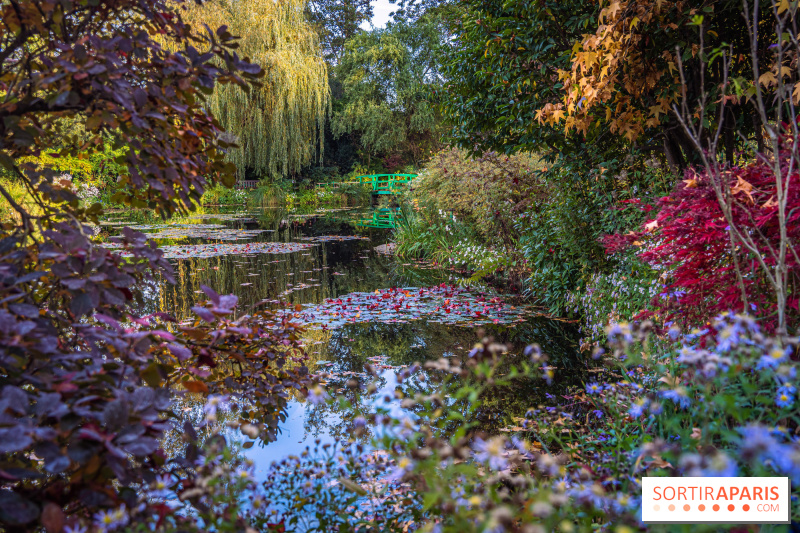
<point x="87" y="191"/>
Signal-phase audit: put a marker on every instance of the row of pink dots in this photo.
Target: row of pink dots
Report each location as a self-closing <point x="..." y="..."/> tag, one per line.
<point x="701" y="507"/>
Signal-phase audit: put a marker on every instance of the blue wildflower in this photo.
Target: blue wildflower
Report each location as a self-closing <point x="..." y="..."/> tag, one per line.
<point x="674" y="332"/>
<point x="547" y="373"/>
<point x="727" y="338"/>
<point x="775" y="357"/>
<point x="491" y="452"/>
<point x="404" y="465"/>
<point x="638" y="409"/>
<point x="598" y="413"/>
<point x="594" y="388"/>
<point x="620" y="333"/>
<point x="678" y="396"/>
<point x="716" y="465"/>
<point x="317" y="394"/>
<point x="785" y="396"/>
<point x="757" y="442"/>
<point x="109" y="520"/>
<point x="786" y="373"/>
<point x="214" y="403"/>
<point x="160" y="488"/>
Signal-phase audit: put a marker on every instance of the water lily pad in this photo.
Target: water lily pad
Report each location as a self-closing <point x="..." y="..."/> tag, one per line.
<point x="187" y="251"/>
<point x="334" y="238"/>
<point x="443" y="304"/>
<point x="205" y="231"/>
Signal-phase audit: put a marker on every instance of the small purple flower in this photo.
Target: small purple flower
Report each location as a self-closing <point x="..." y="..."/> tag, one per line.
<point x="160" y="488"/>
<point x="491" y="452"/>
<point x="775" y="357"/>
<point x="110" y="520"/>
<point x="720" y="465"/>
<point x="598" y="413"/>
<point x="757" y="442"/>
<point x="594" y="388"/>
<point x="727" y="338"/>
<point x="520" y="445"/>
<point x="547" y="373"/>
<point x="638" y="409"/>
<point x="619" y="333"/>
<point x="785" y="396"/>
<point x="678" y="396"/>
<point x="317" y="394"/>
<point x="404" y="466"/>
<point x="75" y="529"/>
<point x="214" y="403"/>
<point x="534" y="352"/>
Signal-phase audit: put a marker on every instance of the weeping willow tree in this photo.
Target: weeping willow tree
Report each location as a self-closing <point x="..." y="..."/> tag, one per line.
<point x="279" y="126"/>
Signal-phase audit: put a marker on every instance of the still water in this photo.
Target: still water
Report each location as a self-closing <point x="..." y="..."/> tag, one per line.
<point x="257" y="256"/>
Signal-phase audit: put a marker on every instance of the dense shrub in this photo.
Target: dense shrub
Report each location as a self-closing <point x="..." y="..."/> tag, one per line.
<point x="486" y="192"/>
<point x="560" y="232"/>
<point x="87" y="380"/>
<point x="461" y="210"/>
<point x="690" y="243"/>
<point x="614" y="297"/>
<point x="222" y="195"/>
<point x="442" y="238"/>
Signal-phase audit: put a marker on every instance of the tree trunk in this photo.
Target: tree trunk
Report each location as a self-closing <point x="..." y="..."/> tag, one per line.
<point x="674" y="157"/>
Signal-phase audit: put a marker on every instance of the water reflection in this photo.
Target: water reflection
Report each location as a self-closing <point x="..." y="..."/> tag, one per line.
<point x="330" y="270"/>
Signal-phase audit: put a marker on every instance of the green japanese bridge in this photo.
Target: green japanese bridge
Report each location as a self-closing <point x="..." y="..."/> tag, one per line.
<point x="380" y="218"/>
<point x="380" y="183"/>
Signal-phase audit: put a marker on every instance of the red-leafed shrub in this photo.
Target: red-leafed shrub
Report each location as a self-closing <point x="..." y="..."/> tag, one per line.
<point x="689" y="241"/>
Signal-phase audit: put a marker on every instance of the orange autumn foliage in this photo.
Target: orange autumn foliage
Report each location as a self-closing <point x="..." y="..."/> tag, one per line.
<point x="616" y="77"/>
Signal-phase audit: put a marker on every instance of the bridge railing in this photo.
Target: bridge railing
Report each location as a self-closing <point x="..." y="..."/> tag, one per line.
<point x="381" y="183"/>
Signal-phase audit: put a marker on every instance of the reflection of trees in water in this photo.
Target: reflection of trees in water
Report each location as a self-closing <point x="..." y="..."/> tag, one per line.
<point x="268" y="275"/>
<point x="351" y="347"/>
<point x="188" y="407"/>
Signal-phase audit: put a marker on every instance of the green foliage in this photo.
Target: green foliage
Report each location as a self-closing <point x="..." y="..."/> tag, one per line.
<point x="337" y="21"/>
<point x="266" y="195"/>
<point x="19" y="194"/>
<point x="442" y="238"/>
<point x="461" y="210"/>
<point x="503" y="68"/>
<point x="486" y="192"/>
<point x="561" y="232"/>
<point x="624" y="292"/>
<point x="222" y="195"/>
<point x="278" y="126"/>
<point x="390" y="79"/>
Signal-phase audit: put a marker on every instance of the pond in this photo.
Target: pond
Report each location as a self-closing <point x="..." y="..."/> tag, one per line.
<point x="360" y="306"/>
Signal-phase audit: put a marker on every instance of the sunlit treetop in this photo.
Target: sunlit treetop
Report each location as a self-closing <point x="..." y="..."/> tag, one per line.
<point x="279" y="125"/>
